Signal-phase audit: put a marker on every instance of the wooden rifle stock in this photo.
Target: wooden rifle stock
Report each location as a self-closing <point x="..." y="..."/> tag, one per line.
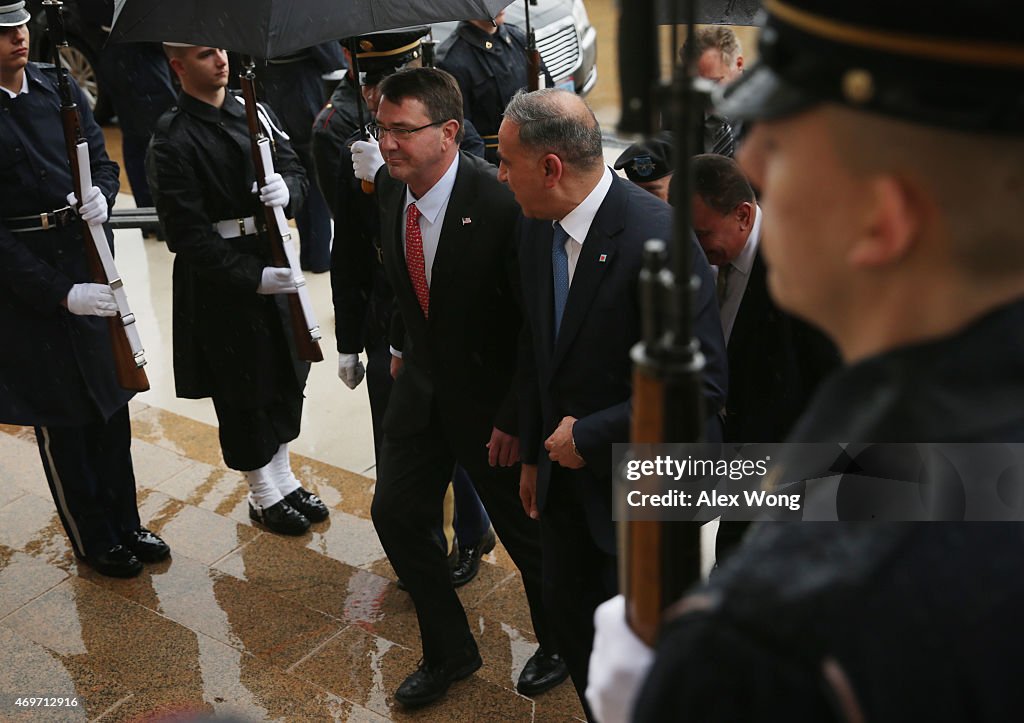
<point x="532" y="54"/>
<point x="130" y="375"/>
<point x="307" y="348"/>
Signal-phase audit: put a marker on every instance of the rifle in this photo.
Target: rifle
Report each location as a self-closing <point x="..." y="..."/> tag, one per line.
<point x="305" y="330"/>
<point x="532" y="54"/>
<point x="353" y="49"/>
<point x="129" y="356"/>
<point x="662" y="559"/>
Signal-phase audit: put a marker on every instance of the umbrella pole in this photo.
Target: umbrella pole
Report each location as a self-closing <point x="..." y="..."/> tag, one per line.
<point x="353" y="50"/>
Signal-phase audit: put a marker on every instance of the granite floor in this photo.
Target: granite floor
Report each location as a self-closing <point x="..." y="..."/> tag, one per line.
<point x="239" y="621"/>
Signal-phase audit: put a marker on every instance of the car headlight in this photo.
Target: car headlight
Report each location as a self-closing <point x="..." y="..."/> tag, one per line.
<point x="579" y="15"/>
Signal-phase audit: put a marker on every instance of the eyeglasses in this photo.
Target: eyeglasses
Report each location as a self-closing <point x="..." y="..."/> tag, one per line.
<point x="399" y="134"/>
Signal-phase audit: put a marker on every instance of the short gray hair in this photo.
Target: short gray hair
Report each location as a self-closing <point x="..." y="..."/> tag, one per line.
<point x="544" y="125"/>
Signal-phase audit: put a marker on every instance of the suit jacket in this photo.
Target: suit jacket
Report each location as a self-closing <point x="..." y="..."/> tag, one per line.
<point x="776" y="362"/>
<point x="587" y="374"/>
<point x="463" y="358"/>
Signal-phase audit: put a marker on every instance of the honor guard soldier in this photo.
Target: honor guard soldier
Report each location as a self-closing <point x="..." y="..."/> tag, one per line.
<point x="889" y="142"/>
<point x="232" y="336"/>
<point x="57" y="373"/>
<point x="649" y="164"/>
<point x="489" y="61"/>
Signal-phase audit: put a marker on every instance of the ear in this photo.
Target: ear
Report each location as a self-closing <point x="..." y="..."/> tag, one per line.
<point x="744" y="214"/>
<point x="893" y="218"/>
<point x="449" y="131"/>
<point x="739" y="63"/>
<point x="553" y="168"/>
<point x="176" y="65"/>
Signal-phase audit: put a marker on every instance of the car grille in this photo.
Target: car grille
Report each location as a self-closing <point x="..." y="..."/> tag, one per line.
<point x="560" y="51"/>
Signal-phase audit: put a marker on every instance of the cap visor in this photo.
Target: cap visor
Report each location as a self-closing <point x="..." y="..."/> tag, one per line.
<point x="14" y="19"/>
<point x="760" y="94"/>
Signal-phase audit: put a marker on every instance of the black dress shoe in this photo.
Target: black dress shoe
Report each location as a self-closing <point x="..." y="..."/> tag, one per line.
<point x="147" y="546"/>
<point x="431" y="681"/>
<point x="308" y="504"/>
<point x="453" y="562"/>
<point x="281" y="518"/>
<point x="542" y="672"/>
<point x="469" y="559"/>
<point x="118" y="561"/>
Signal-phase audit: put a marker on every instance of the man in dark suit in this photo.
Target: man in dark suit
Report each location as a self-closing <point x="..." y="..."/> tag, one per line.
<point x="583" y="317"/>
<point x="449" y="246"/>
<point x="776" y="361"/>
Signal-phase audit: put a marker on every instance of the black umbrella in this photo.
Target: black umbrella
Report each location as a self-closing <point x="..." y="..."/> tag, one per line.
<point x="271" y="28"/>
<point x="710" y="12"/>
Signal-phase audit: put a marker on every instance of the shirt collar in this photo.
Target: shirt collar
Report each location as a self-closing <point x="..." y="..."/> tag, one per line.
<point x="745" y="261"/>
<point x="24" y="85"/>
<point x="577" y="222"/>
<point x="207" y="112"/>
<point x="431" y="203"/>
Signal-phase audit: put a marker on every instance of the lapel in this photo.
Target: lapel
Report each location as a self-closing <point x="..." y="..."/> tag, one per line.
<point x="750" y="314"/>
<point x="455" y="236"/>
<point x="590" y="268"/>
<point x="391" y="235"/>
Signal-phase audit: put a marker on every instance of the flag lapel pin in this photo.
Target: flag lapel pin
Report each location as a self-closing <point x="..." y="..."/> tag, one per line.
<point x="466" y="220"/>
<point x="602" y="258"/>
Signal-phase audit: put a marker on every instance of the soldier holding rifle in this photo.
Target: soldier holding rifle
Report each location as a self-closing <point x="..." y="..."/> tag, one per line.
<point x="233" y="339"/>
<point x="889" y="143"/>
<point x="58" y="370"/>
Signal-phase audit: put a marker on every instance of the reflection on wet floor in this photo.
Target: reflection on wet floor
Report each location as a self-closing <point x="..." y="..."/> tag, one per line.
<point x="238" y="620"/>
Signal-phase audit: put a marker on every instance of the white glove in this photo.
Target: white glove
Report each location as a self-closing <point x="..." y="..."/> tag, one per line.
<point x="618" y="664"/>
<point x="91" y="300"/>
<point x="350" y="370"/>
<point x="94" y="209"/>
<point x="274" y="192"/>
<point x="277" y="280"/>
<point x="366" y="159"/>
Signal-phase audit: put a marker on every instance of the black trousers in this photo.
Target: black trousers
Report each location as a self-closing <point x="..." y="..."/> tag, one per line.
<point x="578" y="576"/>
<point x="407" y="508"/>
<point x="89" y="470"/>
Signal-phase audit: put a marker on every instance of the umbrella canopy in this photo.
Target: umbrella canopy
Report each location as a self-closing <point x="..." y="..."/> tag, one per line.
<point x="710" y="12"/>
<point x="271" y="28"/>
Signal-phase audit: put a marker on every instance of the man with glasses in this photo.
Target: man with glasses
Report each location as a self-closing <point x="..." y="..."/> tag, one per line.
<point x="449" y="246"/>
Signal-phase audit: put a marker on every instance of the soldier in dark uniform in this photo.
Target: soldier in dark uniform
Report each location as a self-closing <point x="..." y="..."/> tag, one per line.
<point x="293" y="85"/>
<point x="136" y="78"/>
<point x="649" y="165"/>
<point x="889" y="141"/>
<point x="232" y="336"/>
<point x="57" y="371"/>
<point x="489" y="61"/>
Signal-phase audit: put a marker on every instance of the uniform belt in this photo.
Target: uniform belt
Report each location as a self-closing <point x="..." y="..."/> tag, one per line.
<point x="43" y="221"/>
<point x="235" y="227"/>
<point x="490" y="141"/>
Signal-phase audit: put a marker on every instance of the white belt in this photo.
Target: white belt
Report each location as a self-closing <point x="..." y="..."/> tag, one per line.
<point x="235" y="227"/>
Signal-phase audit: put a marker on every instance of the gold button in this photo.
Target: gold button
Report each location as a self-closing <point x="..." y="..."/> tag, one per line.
<point x="488" y="45"/>
<point x="858" y="86"/>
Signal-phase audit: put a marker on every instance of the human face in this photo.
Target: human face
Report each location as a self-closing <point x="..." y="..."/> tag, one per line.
<point x="418" y="159"/>
<point x="523" y="171"/>
<point x="722" y="235"/>
<point x="658" y="188"/>
<point x="371" y="94"/>
<point x="13" y="53"/>
<point x="814" y="210"/>
<point x="711" y="65"/>
<point x="202" y="70"/>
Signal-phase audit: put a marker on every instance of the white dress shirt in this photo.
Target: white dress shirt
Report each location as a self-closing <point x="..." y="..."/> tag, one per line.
<point x="739" y="275"/>
<point x="432" y="207"/>
<point x="577" y="222"/>
<point x="24" y="87"/>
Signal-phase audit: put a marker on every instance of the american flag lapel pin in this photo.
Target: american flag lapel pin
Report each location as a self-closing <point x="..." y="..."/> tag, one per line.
<point x="466" y="220"/>
<point x="602" y="258"/>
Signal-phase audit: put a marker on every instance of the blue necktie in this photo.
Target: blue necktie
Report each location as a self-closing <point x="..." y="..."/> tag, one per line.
<point x="559" y="273"/>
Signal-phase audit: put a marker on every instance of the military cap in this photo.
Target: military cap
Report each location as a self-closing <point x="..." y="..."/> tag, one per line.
<point x="955" y="64"/>
<point x="13" y="14"/>
<point x="381" y="54"/>
<point x="647" y="160"/>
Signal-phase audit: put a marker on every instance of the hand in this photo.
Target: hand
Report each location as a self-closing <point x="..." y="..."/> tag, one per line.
<point x="350" y="370"/>
<point x="560" y="445"/>
<point x="619" y="663"/>
<point x="528" y="490"/>
<point x="274" y="192"/>
<point x="91" y="300"/>
<point x="277" y="280"/>
<point x="396" y="366"/>
<point x="366" y="159"/>
<point x="503" y="449"/>
<point x="94" y="208"/>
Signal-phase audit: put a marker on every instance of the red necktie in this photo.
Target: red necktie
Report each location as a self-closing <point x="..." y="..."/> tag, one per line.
<point x="414" y="258"/>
